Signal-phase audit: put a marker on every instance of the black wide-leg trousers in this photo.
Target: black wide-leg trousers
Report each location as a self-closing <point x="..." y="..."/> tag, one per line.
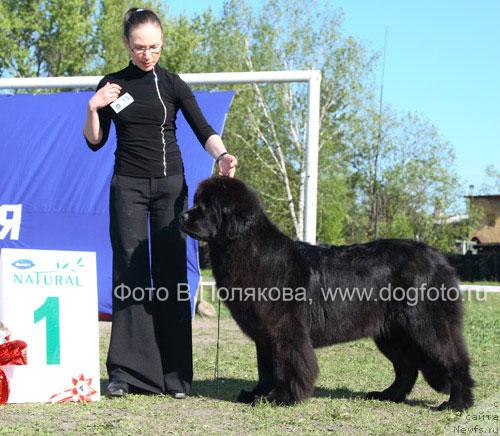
<point x="151" y="341"/>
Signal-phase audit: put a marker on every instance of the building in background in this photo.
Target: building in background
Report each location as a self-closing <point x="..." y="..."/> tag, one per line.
<point x="488" y="231"/>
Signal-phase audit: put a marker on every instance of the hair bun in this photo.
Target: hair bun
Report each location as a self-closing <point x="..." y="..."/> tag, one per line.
<point x="133" y="19"/>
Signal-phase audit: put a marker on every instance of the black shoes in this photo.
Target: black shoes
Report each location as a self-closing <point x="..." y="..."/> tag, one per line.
<point x="121" y="388"/>
<point x="118" y="389"/>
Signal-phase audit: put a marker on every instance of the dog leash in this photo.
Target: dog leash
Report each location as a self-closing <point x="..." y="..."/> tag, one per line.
<point x="216" y="370"/>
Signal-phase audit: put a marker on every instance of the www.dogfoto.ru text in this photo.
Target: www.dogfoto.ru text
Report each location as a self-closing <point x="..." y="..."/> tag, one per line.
<point x="410" y="296"/>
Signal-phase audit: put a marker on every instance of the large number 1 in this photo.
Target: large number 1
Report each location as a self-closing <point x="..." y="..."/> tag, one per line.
<point x="50" y="311"/>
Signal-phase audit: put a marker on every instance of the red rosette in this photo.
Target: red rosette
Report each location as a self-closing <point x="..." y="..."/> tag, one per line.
<point x="11" y="353"/>
<point x="4" y="387"/>
<point x="82" y="391"/>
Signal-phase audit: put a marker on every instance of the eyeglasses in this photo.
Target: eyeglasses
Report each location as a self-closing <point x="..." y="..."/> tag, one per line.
<point x="155" y="49"/>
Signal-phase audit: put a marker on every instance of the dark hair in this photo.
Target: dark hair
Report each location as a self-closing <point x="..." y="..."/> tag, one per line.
<point x="136" y="17"/>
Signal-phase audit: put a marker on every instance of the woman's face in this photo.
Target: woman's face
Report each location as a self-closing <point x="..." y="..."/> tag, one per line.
<point x="144" y="44"/>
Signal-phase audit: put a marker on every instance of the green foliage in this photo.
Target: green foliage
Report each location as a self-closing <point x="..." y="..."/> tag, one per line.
<point x="333" y="212"/>
<point x="392" y="173"/>
<point x="417" y="181"/>
<point x="269" y="123"/>
<point x="109" y="34"/>
<point x="405" y="179"/>
<point x="47" y="37"/>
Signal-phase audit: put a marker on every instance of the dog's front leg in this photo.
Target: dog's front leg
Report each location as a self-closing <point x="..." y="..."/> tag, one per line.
<point x="295" y="366"/>
<point x="266" y="375"/>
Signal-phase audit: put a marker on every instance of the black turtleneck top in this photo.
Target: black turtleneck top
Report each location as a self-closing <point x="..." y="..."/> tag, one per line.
<point x="145" y="129"/>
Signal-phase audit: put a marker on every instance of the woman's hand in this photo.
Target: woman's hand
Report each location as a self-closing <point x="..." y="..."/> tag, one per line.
<point x="227" y="165"/>
<point x="226" y="162"/>
<point x="104" y="96"/>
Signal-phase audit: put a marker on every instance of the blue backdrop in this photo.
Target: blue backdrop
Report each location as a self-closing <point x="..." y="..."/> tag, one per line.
<point x="54" y="191"/>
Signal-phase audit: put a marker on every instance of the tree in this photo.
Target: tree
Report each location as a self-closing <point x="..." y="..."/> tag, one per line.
<point x="492" y="185"/>
<point x="419" y="184"/>
<point x="387" y="171"/>
<point x="47" y="37"/>
<point x="362" y="179"/>
<point x="268" y="122"/>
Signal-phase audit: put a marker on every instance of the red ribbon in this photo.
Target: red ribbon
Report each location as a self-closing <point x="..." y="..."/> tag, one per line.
<point x="81" y="391"/>
<point x="11" y="353"/>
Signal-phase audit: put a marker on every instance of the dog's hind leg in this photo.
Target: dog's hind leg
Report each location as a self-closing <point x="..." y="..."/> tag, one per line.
<point x="266" y="376"/>
<point x="435" y="374"/>
<point x="295" y="365"/>
<point x="461" y="396"/>
<point x="454" y="358"/>
<point x="399" y="349"/>
<point x="444" y="348"/>
<point x="461" y="384"/>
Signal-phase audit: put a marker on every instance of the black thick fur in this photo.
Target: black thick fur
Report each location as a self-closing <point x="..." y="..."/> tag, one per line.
<point x="248" y="253"/>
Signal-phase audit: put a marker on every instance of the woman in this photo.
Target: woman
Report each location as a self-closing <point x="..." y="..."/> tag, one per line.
<point x="150" y="348"/>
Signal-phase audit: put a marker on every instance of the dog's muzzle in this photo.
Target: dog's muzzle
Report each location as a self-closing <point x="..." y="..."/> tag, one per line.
<point x="183" y="218"/>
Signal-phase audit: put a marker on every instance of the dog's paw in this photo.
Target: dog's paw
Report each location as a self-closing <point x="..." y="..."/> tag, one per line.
<point x="270" y="398"/>
<point x="384" y="396"/>
<point x="450" y="405"/>
<point x="276" y="397"/>
<point x="260" y="399"/>
<point x="246" y="397"/>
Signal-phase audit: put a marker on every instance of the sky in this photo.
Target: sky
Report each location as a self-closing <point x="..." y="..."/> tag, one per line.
<point x="442" y="61"/>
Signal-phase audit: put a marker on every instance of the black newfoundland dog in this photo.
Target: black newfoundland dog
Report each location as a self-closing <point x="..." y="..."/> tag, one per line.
<point x="282" y="294"/>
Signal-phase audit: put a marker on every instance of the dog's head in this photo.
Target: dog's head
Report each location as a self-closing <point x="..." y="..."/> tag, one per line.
<point x="224" y="210"/>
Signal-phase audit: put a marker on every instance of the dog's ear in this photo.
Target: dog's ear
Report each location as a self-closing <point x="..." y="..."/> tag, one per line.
<point x="237" y="224"/>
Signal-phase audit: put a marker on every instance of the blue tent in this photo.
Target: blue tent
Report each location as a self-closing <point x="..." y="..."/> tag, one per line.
<point x="54" y="190"/>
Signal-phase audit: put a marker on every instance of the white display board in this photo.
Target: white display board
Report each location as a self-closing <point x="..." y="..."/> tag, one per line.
<point x="48" y="299"/>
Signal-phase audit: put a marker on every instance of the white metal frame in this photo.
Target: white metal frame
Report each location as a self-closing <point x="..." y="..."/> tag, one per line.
<point x="311" y="77"/>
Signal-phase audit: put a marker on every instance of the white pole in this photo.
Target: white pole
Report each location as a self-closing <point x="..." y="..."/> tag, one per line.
<point x="192" y="79"/>
<point x="49" y="82"/>
<point x="312" y="150"/>
<point x="312" y="77"/>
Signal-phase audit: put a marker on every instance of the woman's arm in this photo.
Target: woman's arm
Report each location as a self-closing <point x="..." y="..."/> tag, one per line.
<point x="96" y="129"/>
<point x="92" y="128"/>
<point x="203" y="131"/>
<point x="227" y="162"/>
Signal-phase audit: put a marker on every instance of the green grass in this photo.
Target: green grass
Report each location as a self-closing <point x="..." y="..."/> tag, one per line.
<point x="484" y="283"/>
<point x="207" y="274"/>
<point x="347" y="372"/>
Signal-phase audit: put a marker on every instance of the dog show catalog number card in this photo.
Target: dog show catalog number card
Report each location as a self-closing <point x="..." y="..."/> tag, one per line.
<point x="49" y="332"/>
